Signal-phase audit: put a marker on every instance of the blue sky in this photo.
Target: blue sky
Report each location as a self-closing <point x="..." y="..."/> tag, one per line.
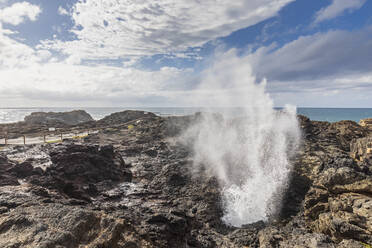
<point x="157" y="53"/>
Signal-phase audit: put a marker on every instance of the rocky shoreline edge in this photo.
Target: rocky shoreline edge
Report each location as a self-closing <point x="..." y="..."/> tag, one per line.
<point x="130" y="185"/>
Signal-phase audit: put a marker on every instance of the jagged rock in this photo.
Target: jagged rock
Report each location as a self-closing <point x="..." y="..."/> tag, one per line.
<point x="7" y="178"/>
<point x="23" y="170"/>
<point x="334" y="177"/>
<point x="138" y="191"/>
<point x="366" y="122"/>
<point x="125" y="116"/>
<point x="342" y="216"/>
<point x="361" y="150"/>
<point x="346" y="131"/>
<point x="349" y="243"/>
<point x="50" y="118"/>
<point x="308" y="240"/>
<point x="337" y="203"/>
<point x="76" y="168"/>
<point x="58" y="225"/>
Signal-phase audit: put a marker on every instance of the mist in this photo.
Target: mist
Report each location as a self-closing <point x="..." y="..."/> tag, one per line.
<point x="247" y="149"/>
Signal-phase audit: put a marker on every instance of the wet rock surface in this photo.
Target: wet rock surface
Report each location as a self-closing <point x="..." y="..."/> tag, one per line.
<point x="131" y="185"/>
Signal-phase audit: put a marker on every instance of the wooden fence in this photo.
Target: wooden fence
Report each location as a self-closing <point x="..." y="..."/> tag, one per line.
<point x="45" y="138"/>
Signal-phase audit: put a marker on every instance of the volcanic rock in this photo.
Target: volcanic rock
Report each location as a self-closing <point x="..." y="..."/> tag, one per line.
<point x="338" y="201"/>
<point x="125" y="116"/>
<point x="132" y="185"/>
<point x="366" y="122"/>
<point x="50" y="118"/>
<point x="76" y="169"/>
<point x="7" y="178"/>
<point x="361" y="150"/>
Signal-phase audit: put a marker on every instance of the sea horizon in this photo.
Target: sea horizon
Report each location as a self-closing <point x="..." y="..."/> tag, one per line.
<point x="332" y="114"/>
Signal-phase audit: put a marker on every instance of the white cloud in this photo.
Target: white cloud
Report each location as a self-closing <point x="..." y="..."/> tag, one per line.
<point x="112" y="29"/>
<point x="329" y="67"/>
<point x="13" y="53"/>
<point x="324" y="69"/>
<point x="346" y="91"/>
<point x="19" y="12"/>
<point x="62" y="11"/>
<point x="30" y="81"/>
<point x="34" y="78"/>
<point x="334" y="63"/>
<point x="228" y="73"/>
<point x="321" y="55"/>
<point x="337" y="8"/>
<point x="67" y="84"/>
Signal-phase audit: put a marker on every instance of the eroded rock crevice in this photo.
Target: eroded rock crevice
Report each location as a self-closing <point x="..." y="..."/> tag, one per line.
<point x="133" y="187"/>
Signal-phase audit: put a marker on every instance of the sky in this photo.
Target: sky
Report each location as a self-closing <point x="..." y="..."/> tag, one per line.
<point x="117" y="53"/>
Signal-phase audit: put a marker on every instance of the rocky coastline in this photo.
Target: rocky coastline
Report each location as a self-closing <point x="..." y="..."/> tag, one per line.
<point x="130" y="185"/>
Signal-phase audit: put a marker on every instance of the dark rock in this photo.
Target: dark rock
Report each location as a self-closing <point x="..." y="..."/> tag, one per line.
<point x="107" y="151"/>
<point x="158" y="219"/>
<point x="90" y="197"/>
<point x="7" y="177"/>
<point x="40" y="191"/>
<point x="3" y="210"/>
<point x="23" y="170"/>
<point x="76" y="169"/>
<point x="125" y="116"/>
<point x="37" y="171"/>
<point x="151" y="152"/>
<point x="50" y="118"/>
<point x="294" y="195"/>
<point x="176" y="180"/>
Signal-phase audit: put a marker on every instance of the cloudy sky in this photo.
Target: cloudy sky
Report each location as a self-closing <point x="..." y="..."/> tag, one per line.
<point x="81" y="53"/>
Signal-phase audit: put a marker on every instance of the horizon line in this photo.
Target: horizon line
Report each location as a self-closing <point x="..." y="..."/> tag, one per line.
<point x="133" y="107"/>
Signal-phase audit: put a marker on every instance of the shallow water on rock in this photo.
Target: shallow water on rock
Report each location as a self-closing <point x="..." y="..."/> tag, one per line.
<point x="38" y="156"/>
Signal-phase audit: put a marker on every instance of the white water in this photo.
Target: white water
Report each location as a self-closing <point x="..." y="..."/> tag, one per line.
<point x="248" y="155"/>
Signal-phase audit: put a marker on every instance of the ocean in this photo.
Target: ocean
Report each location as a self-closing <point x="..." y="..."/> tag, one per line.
<point x="8" y="115"/>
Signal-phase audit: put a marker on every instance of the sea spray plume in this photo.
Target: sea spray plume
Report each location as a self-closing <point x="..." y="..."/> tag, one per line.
<point x="248" y="152"/>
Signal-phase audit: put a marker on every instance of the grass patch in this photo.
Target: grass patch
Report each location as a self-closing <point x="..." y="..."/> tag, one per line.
<point x="366" y="245"/>
<point x="80" y="136"/>
<point x="53" y="141"/>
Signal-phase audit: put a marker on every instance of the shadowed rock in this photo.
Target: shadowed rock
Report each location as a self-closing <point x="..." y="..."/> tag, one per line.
<point x="77" y="168"/>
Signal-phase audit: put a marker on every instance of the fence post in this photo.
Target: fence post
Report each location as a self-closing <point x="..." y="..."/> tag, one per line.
<point x="6" y="140"/>
<point x="24" y="139"/>
<point x="61" y="137"/>
<point x="44" y="136"/>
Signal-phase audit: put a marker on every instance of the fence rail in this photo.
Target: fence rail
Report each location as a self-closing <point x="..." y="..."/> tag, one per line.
<point x="45" y="138"/>
<point x="58" y="136"/>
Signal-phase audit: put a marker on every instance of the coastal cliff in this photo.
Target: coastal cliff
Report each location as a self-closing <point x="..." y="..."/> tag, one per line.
<point x="131" y="185"/>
